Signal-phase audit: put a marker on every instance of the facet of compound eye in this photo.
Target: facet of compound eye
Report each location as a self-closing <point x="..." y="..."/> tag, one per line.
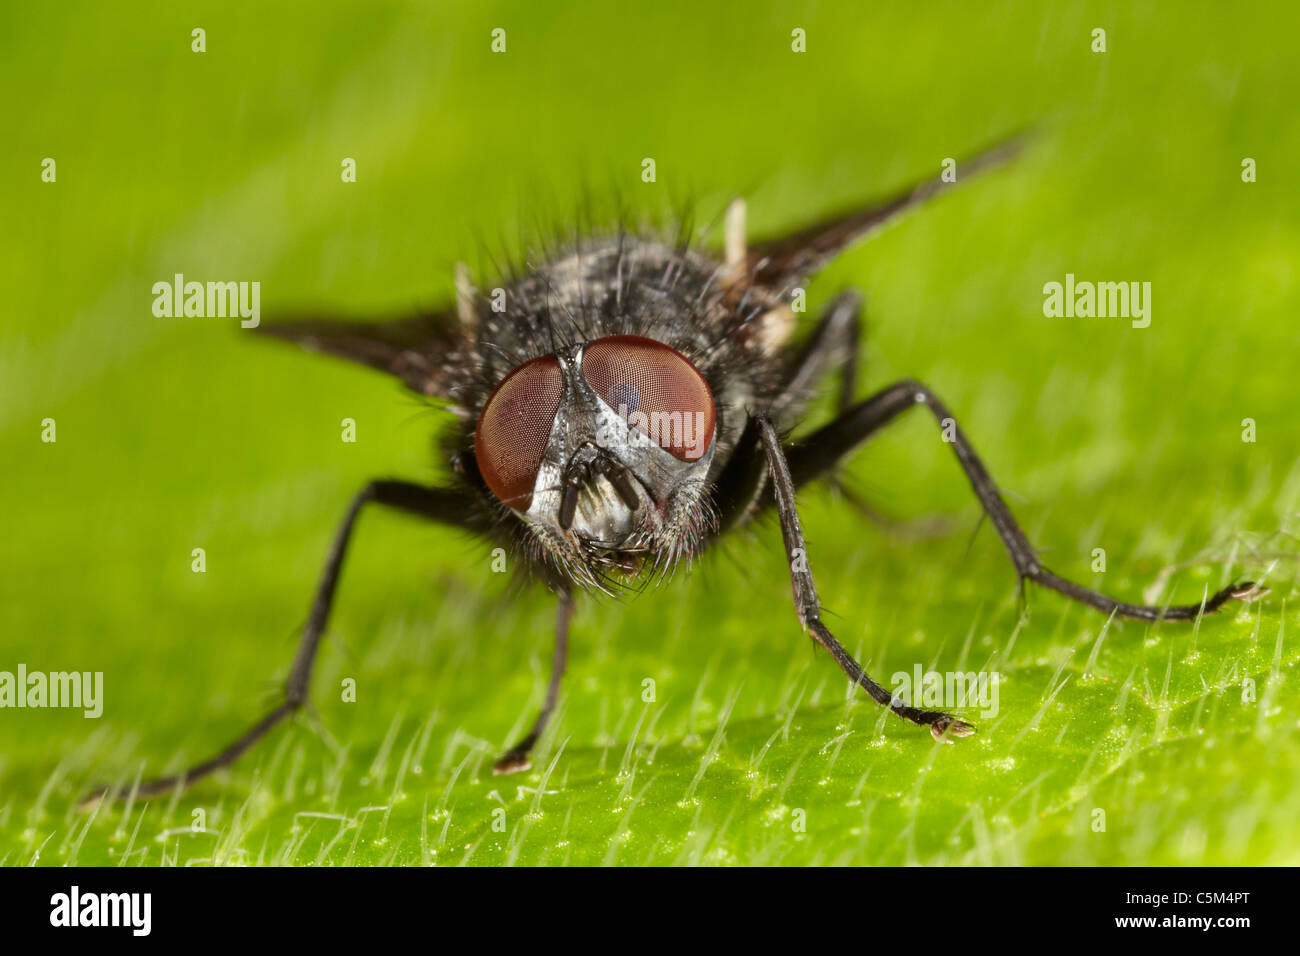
<point x="654" y="388"/>
<point x="514" y="428"/>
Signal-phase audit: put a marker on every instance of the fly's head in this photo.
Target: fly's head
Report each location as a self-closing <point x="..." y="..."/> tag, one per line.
<point x="603" y="450"/>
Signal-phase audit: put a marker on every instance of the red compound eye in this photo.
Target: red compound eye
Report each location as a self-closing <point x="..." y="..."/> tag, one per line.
<point x="514" y="428"/>
<point x="654" y="388"/>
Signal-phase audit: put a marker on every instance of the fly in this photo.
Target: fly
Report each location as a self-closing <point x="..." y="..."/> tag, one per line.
<point x="626" y="408"/>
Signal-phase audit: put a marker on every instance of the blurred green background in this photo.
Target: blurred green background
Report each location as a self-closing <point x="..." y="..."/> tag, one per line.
<point x="184" y="433"/>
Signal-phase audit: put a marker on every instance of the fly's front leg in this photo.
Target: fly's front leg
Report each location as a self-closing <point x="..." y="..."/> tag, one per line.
<point x="809" y="606"/>
<point x="516" y="758"/>
<point x="434" y="504"/>
<point x="828" y="445"/>
<point x="835" y="342"/>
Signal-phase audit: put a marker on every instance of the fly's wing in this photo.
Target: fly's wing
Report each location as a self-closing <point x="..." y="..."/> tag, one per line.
<point x="413" y="348"/>
<point x="779" y="264"/>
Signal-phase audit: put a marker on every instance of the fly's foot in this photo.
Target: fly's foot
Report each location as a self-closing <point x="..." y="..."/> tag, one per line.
<point x="946" y="727"/>
<point x="516" y="761"/>
<point x="1247" y="591"/>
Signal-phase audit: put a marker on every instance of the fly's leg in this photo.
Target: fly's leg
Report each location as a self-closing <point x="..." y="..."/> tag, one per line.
<point x="516" y="758"/>
<point x="435" y="504"/>
<point x="828" y="445"/>
<point x="834" y="342"/>
<point x="809" y="607"/>
<point x="738" y="491"/>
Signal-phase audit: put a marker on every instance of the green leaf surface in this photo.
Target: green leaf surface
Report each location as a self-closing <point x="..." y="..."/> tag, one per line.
<point x="698" y="725"/>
